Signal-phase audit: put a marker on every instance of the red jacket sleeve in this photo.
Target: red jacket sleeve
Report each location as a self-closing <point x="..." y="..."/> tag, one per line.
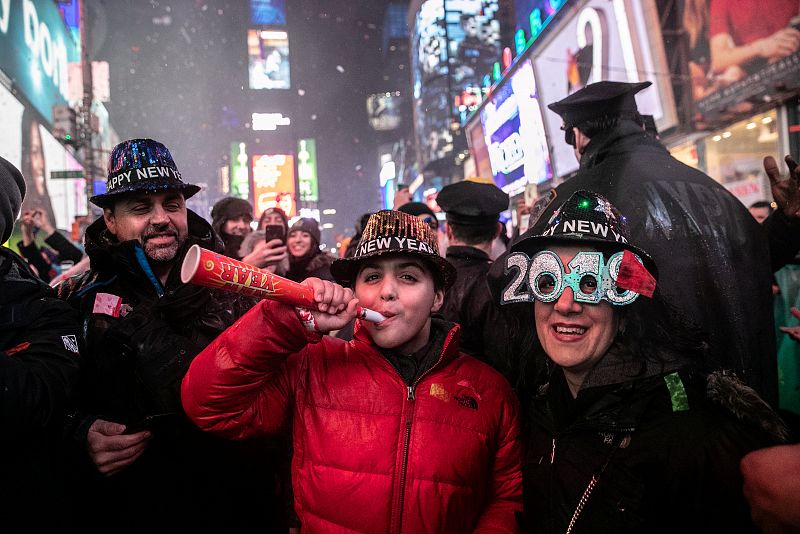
<point x="505" y="492"/>
<point x="242" y="384"/>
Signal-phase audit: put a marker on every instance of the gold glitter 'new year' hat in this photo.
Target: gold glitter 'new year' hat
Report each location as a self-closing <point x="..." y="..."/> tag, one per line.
<point x="395" y="232"/>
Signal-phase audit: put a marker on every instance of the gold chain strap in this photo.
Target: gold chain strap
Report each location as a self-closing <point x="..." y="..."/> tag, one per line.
<point x="585" y="497"/>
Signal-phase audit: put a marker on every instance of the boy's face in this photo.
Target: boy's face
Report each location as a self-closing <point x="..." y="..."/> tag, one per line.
<point x="401" y="288"/>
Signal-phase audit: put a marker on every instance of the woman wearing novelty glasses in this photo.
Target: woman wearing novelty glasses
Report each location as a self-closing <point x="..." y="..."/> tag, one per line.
<point x="624" y="435"/>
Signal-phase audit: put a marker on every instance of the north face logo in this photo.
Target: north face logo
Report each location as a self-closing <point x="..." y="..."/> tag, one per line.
<point x="466" y="401"/>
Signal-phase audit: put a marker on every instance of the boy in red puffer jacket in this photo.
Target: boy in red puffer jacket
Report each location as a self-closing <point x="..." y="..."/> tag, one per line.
<point x="394" y="431"/>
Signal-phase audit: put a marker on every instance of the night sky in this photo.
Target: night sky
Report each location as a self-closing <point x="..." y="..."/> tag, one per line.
<point x="179" y="75"/>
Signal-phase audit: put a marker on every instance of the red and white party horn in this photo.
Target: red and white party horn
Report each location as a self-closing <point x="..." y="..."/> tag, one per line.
<point x="210" y="269"/>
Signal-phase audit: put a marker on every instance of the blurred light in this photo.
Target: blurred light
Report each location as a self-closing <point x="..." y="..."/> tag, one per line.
<point x="326" y="226"/>
<point x="329" y="211"/>
<point x="418" y="181"/>
<point x="717" y="138"/>
<point x="267" y="34"/>
<point x="269" y="121"/>
<point x="766" y="120"/>
<point x="750" y="125"/>
<point x="726" y="135"/>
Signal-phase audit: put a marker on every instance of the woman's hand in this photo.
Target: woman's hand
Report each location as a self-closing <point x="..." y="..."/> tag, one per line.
<point x="336" y="305"/>
<point x="266" y="254"/>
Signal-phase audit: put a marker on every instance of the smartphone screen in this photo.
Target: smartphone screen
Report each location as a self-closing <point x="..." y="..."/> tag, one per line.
<point x="274" y="231"/>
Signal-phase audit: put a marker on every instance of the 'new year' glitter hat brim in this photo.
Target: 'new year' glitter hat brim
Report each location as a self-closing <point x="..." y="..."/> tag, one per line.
<point x="395" y="232"/>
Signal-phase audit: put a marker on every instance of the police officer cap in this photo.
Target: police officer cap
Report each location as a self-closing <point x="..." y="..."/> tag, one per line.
<point x="472" y="203"/>
<point x="598" y="100"/>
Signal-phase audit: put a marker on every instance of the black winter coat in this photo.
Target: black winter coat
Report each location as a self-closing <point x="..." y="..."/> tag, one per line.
<point x="39" y="360"/>
<point x="134" y="367"/>
<point x="665" y="456"/>
<point x="469" y="303"/>
<point x="711" y="254"/>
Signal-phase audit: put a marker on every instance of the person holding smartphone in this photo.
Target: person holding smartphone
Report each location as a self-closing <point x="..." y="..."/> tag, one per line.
<point x="44" y="259"/>
<point x="266" y="246"/>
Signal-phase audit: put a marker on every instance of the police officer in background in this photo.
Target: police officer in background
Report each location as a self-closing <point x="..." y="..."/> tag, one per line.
<point x="472" y="209"/>
<point x="713" y="259"/>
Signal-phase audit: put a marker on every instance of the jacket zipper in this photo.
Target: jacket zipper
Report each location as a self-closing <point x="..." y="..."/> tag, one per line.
<point x="411" y="397"/>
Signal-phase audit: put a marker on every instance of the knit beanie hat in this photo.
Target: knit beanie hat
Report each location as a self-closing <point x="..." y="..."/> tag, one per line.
<point x="308" y="225"/>
<point x="270" y="211"/>
<point x="229" y="208"/>
<point x="12" y="191"/>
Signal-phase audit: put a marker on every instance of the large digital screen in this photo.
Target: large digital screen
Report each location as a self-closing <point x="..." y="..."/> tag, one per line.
<point x="273" y="183"/>
<point x="385" y="111"/>
<point x="736" y="55"/>
<point x="617" y="41"/>
<point x="29" y="146"/>
<point x="514" y="133"/>
<point x="452" y="50"/>
<point x="532" y="16"/>
<point x="36" y="49"/>
<point x="268" y="12"/>
<point x="268" y="64"/>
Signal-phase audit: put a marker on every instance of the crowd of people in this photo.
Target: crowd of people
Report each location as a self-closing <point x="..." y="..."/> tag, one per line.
<point x="612" y="369"/>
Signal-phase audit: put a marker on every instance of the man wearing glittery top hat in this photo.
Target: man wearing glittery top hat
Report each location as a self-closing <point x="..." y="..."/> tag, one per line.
<point x="394" y="431"/>
<point x="142" y="327"/>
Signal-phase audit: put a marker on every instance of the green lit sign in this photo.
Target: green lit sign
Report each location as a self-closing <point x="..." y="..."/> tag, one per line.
<point x="240" y="178"/>
<point x="307" y="170"/>
<point x="36" y="50"/>
<point x="63" y="175"/>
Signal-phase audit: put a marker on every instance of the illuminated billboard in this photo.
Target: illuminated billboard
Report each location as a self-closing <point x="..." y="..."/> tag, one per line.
<point x="514" y="133"/>
<point x="617" y="41"/>
<point x="29" y="146"/>
<point x="36" y="50"/>
<point x="307" y="170"/>
<point x="452" y="50"/>
<point x="737" y="57"/>
<point x="532" y="16"/>
<point x="240" y="179"/>
<point x="385" y="111"/>
<point x="273" y="183"/>
<point x="268" y="63"/>
<point x="268" y="12"/>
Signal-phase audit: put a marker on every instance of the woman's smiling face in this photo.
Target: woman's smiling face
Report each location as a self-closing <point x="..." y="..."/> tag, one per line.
<point x="575" y="335"/>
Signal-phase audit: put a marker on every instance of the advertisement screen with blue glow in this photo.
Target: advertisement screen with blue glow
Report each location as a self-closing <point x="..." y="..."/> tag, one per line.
<point x="268" y="12"/>
<point x="36" y="49"/>
<point x="514" y="132"/>
<point x="533" y="15"/>
<point x="454" y="44"/>
<point x="268" y="65"/>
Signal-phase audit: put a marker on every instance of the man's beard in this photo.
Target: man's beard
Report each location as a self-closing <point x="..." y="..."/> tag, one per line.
<point x="162" y="253"/>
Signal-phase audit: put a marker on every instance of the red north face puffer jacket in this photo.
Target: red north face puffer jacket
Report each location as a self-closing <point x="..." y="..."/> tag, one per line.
<point x="370" y="453"/>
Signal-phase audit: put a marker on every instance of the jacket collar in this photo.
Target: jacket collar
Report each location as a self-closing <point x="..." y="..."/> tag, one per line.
<point x="619" y="139"/>
<point x="126" y="259"/>
<point x="467" y="252"/>
<point x="449" y="349"/>
<point x="613" y="398"/>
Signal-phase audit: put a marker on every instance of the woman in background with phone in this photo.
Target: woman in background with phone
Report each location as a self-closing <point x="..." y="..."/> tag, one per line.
<point x="266" y="246"/>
